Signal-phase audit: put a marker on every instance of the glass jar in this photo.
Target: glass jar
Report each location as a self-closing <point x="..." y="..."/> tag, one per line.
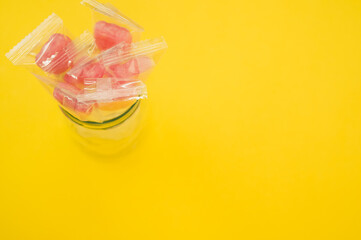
<point x="111" y="136"/>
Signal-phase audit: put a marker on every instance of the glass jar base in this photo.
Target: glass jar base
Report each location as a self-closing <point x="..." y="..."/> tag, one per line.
<point x="111" y="137"/>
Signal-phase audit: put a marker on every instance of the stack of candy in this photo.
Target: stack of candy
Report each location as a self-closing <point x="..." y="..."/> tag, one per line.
<point x="96" y="76"/>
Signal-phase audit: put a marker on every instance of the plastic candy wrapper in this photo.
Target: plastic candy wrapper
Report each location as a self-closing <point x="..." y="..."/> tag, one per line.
<point x="100" y="99"/>
<point x="84" y="69"/>
<point x="111" y="27"/>
<point x="49" y="50"/>
<point x="97" y="79"/>
<point x="135" y="62"/>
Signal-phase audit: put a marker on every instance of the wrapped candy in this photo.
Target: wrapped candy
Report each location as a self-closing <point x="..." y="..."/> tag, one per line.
<point x="67" y="95"/>
<point x="112" y="89"/>
<point x="131" y="68"/>
<point x="97" y="78"/>
<point x="82" y="71"/>
<point x="108" y="35"/>
<point x="49" y="51"/>
<point x="111" y="27"/>
<point x="135" y="62"/>
<point x="101" y="98"/>
<point x="55" y="55"/>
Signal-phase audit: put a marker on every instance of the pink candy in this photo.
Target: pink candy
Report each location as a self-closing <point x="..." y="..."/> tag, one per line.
<point x="66" y="94"/>
<point x="78" y="74"/>
<point x="132" y="68"/>
<point x="108" y="35"/>
<point x="55" y="55"/>
<point x="94" y="70"/>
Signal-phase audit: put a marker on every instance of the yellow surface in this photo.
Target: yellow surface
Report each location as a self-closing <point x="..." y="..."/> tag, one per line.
<point x="254" y="130"/>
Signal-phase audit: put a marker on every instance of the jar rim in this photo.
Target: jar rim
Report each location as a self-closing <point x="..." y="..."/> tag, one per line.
<point x="106" y="124"/>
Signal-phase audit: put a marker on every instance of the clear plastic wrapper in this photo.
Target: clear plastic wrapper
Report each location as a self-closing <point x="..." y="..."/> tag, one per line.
<point x="97" y="78"/>
<point x="49" y="51"/>
<point x="87" y="67"/>
<point x="111" y="27"/>
<point x="135" y="62"/>
<point x="100" y="99"/>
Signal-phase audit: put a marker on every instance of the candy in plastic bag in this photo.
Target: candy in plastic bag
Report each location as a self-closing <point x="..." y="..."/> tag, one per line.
<point x="67" y="95"/>
<point x="49" y="50"/>
<point x="111" y="27"/>
<point x="100" y="99"/>
<point x="135" y="62"/>
<point x="82" y="71"/>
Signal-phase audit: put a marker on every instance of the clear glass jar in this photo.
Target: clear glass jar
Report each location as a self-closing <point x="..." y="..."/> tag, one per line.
<point x="111" y="136"/>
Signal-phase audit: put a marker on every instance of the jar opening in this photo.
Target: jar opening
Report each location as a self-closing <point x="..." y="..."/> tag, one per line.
<point x="106" y="124"/>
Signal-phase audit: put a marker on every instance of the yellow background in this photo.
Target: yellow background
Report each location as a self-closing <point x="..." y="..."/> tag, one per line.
<point x="254" y="129"/>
